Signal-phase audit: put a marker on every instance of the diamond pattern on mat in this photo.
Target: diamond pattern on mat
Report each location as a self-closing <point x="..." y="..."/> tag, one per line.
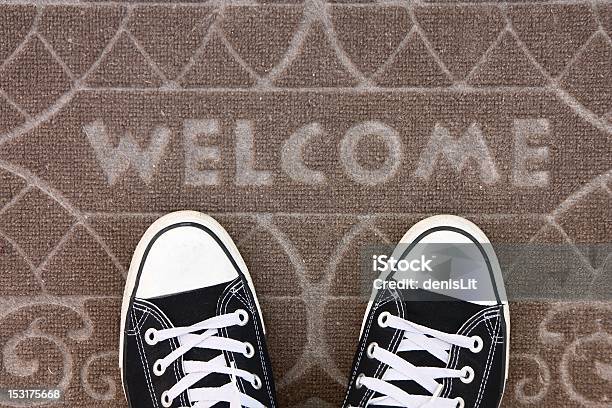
<point x="15" y="25"/>
<point x="368" y="49"/>
<point x="17" y="277"/>
<point x="261" y="35"/>
<point x="590" y="222"/>
<point x="172" y="36"/>
<point x="217" y="66"/>
<point x="604" y="13"/>
<point x="603" y="282"/>
<point x="33" y="78"/>
<point x="412" y="65"/>
<point x="558" y="275"/>
<point x="342" y="323"/>
<point x="121" y="234"/>
<point x="348" y="279"/>
<point x="80" y="325"/>
<point x="274" y="272"/>
<point x="590" y="77"/>
<point x="285" y="321"/>
<point x="82" y="266"/>
<point x="553" y="33"/>
<point x="124" y="66"/>
<point x="299" y="392"/>
<point x="513" y="228"/>
<point x="10" y="185"/>
<point x="79" y="34"/>
<point x="36" y="223"/>
<point x="507" y="64"/>
<point x="460" y="34"/>
<point x="12" y="115"/>
<point x="316" y="64"/>
<point x="316" y="239"/>
<point x="239" y="227"/>
<point x="391" y="228"/>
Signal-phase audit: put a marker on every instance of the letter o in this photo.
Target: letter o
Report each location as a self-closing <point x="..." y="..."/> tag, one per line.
<point x="348" y="147"/>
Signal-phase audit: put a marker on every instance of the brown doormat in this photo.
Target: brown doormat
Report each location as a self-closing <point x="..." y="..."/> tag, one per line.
<point x="309" y="130"/>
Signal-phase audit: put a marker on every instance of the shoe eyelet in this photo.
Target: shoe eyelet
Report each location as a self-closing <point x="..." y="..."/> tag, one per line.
<point x="250" y="351"/>
<point x="256" y="382"/>
<point x="371" y="349"/>
<point x="165" y="400"/>
<point x="358" y="383"/>
<point x="382" y="319"/>
<point x="460" y="402"/>
<point x="158" y="368"/>
<point x="478" y="344"/>
<point x="243" y="316"/>
<point x="150" y="337"/>
<point x="467" y="375"/>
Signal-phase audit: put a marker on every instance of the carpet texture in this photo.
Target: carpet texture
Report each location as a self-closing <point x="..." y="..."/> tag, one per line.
<point x="309" y="130"/>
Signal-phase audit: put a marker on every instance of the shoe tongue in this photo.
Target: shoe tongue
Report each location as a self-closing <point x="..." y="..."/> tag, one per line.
<point x="191" y="307"/>
<point x="188" y="308"/>
<point x="438" y="312"/>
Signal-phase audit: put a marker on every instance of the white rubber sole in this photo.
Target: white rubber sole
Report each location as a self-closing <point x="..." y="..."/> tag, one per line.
<point x="467" y="226"/>
<point x="161" y="223"/>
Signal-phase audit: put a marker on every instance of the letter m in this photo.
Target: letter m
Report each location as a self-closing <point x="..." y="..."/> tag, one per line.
<point x="115" y="161"/>
<point x="458" y="152"/>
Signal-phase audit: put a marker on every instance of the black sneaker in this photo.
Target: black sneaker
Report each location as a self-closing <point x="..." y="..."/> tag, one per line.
<point x="422" y="348"/>
<point x="192" y="334"/>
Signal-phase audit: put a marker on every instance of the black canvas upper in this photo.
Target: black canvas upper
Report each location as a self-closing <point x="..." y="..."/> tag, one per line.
<point x="144" y="389"/>
<point x="447" y="315"/>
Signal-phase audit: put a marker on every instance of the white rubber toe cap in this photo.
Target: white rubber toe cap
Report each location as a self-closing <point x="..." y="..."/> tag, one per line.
<point x="183" y="258"/>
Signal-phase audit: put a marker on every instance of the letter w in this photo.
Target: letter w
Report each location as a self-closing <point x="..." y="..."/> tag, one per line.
<point x="115" y="161"/>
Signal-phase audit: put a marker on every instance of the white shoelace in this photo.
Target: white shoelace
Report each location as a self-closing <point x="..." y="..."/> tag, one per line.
<point x="417" y="338"/>
<point x="197" y="370"/>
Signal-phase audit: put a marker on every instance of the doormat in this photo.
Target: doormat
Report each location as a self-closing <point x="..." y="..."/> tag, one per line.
<point x="309" y="130"/>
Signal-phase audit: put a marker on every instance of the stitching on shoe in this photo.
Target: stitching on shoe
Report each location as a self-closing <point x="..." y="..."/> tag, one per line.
<point x="132" y="331"/>
<point x="163" y="320"/>
<point x="397" y="335"/>
<point x="225" y="301"/>
<point x="474" y="321"/>
<point x="467" y="327"/>
<point x="489" y="328"/>
<point x="222" y="303"/>
<point x="361" y="348"/>
<point x="487" y="367"/>
<point x="145" y="365"/>
<point x="372" y="313"/>
<point x="140" y="322"/>
<point x="381" y="302"/>
<point x="246" y="301"/>
<point x="395" y="340"/>
<point x="229" y="295"/>
<point x="263" y="363"/>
